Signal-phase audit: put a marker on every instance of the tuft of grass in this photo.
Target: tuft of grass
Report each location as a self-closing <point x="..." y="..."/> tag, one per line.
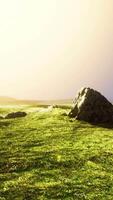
<point x="48" y="156"/>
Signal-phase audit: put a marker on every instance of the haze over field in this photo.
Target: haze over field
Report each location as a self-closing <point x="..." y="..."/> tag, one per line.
<point x="51" y="48"/>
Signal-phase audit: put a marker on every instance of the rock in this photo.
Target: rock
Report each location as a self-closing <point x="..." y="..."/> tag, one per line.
<point x="91" y="106"/>
<point x="15" y="115"/>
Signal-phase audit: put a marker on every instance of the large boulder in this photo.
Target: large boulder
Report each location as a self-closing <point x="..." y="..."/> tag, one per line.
<point x="15" y="115"/>
<point x="91" y="106"/>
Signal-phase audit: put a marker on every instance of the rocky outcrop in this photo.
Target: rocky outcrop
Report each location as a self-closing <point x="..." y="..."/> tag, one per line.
<point x="91" y="106"/>
<point x="15" y="115"/>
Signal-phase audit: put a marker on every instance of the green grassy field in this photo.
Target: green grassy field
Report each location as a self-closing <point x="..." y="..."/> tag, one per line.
<point x="47" y="155"/>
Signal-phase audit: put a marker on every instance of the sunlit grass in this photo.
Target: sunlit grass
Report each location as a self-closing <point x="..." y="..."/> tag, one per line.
<point x="47" y="155"/>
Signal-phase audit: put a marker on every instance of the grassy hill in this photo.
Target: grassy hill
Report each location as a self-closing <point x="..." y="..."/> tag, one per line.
<point x="46" y="155"/>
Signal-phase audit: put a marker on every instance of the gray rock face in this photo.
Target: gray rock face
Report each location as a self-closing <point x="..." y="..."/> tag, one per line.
<point x="91" y="106"/>
<point x="15" y="115"/>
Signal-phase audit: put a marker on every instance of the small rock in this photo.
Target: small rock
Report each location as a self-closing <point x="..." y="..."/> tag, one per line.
<point x="15" y="115"/>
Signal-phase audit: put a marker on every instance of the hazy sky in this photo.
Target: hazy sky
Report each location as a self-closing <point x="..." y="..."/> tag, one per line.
<point x="51" y="48"/>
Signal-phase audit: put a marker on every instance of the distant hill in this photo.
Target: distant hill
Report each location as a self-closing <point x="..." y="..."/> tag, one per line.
<point x="5" y="99"/>
<point x="10" y="100"/>
<point x="47" y="102"/>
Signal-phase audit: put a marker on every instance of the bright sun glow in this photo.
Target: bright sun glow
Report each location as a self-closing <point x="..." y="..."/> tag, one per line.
<point x="50" y="48"/>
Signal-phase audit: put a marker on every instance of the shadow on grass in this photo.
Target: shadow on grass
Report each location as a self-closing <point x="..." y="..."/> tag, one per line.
<point x="40" y="161"/>
<point x="103" y="125"/>
<point x="4" y="123"/>
<point x="85" y="124"/>
<point x="26" y="192"/>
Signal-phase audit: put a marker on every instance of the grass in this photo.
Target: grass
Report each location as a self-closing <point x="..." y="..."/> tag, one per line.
<point x="47" y="155"/>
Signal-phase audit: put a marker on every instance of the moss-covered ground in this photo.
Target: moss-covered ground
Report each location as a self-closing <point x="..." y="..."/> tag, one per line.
<point x="48" y="156"/>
